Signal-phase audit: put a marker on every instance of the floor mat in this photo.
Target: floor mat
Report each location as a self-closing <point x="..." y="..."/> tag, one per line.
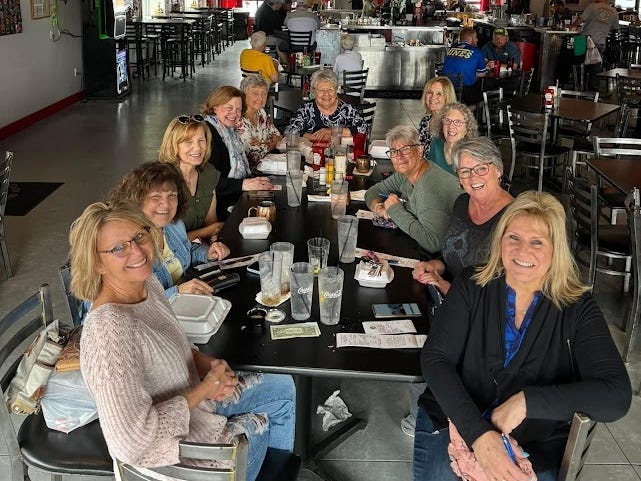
<point x="24" y="196"/>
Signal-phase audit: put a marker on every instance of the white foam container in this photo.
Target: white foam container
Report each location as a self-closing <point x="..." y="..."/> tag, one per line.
<point x="200" y="316"/>
<point x="255" y="228"/>
<point x="378" y="148"/>
<point x="378" y="282"/>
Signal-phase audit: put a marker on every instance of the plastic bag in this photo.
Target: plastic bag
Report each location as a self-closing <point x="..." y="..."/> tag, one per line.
<point x="67" y="404"/>
<point x="592" y="55"/>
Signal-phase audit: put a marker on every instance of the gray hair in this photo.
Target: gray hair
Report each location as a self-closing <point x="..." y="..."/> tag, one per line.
<point x="347" y="41"/>
<point x="403" y="133"/>
<point x="436" y="125"/>
<point x="324" y="75"/>
<point x="252" y="81"/>
<point x="258" y="39"/>
<point x="481" y="149"/>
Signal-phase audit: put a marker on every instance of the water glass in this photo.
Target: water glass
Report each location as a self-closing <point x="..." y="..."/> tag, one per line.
<point x="286" y="249"/>
<point x="330" y="293"/>
<point x="294" y="184"/>
<point x="347" y="238"/>
<point x="301" y="281"/>
<point x="270" y="269"/>
<point x="338" y="199"/>
<point x="337" y="134"/>
<point x="293" y="160"/>
<point x="292" y="140"/>
<point x="318" y="251"/>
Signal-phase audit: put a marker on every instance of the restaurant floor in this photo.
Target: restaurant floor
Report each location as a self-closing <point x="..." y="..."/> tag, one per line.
<point x="89" y="145"/>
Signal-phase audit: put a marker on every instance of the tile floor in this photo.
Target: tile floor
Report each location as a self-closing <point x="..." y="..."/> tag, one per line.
<point x="88" y="146"/>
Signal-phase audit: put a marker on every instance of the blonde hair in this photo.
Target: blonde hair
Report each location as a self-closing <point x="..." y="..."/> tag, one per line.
<point x="177" y="133"/>
<point x="562" y="284"/>
<point x="221" y="96"/>
<point x="86" y="281"/>
<point x="448" y="91"/>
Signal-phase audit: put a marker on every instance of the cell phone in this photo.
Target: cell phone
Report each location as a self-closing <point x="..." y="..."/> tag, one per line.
<point x="396" y="310"/>
<point x="253" y="268"/>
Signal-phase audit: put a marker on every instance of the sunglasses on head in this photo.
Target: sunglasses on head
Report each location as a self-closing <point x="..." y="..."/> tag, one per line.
<point x="186" y="119"/>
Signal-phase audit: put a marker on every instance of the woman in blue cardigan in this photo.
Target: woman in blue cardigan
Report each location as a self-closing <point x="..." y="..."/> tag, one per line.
<point x="158" y="190"/>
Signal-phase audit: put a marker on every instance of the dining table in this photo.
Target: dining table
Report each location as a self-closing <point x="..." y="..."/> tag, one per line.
<point x="621" y="72"/>
<point x="249" y="346"/>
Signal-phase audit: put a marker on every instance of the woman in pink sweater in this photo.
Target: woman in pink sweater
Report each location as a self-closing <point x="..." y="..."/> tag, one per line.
<point x="152" y="388"/>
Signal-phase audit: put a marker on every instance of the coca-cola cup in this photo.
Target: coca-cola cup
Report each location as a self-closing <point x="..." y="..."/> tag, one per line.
<point x="359" y="144"/>
<point x="330" y="294"/>
<point x="301" y="282"/>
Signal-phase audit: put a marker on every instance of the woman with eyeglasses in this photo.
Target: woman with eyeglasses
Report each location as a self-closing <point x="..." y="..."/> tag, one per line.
<point x="313" y="120"/>
<point x="418" y="197"/>
<point x="223" y="110"/>
<point x="256" y="128"/>
<point x="466" y="242"/>
<point x="437" y="93"/>
<point x="151" y="386"/>
<point x="158" y="190"/>
<point x="454" y="122"/>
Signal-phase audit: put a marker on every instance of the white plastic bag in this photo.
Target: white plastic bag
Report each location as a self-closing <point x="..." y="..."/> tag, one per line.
<point x="67" y="404"/>
<point x="592" y="54"/>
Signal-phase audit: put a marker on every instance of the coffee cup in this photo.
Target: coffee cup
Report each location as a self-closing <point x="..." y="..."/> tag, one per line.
<point x="266" y="209"/>
<point x="363" y="163"/>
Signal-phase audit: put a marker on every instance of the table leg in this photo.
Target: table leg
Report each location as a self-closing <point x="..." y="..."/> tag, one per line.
<point x="310" y="454"/>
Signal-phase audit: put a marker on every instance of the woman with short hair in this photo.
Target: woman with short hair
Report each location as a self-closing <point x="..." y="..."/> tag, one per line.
<point x="313" y="120"/>
<point x="348" y="59"/>
<point x="256" y="129"/>
<point x="455" y="122"/>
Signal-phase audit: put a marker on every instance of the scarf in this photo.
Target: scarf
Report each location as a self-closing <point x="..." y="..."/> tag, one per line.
<point x="239" y="166"/>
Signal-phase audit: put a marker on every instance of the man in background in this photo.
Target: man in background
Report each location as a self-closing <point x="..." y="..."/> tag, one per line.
<point x="501" y="50"/>
<point x="467" y="59"/>
<point x="268" y="21"/>
<point x="255" y="58"/>
<point x="561" y="13"/>
<point x="300" y="20"/>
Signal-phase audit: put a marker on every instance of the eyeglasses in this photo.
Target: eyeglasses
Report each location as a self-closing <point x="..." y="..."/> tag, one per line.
<point x="456" y="123"/>
<point x="402" y="151"/>
<point x="325" y="91"/>
<point x="481" y="170"/>
<point x="124" y="248"/>
<point x="187" y="119"/>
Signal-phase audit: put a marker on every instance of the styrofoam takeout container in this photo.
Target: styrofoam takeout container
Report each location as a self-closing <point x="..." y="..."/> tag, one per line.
<point x="255" y="228"/>
<point x="200" y="316"/>
<point x="387" y="275"/>
<point x="378" y="148"/>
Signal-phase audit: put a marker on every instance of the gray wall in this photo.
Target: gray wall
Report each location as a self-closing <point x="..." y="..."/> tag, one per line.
<point x="34" y="71"/>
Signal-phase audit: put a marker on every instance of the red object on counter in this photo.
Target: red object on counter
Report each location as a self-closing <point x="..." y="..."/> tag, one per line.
<point x="359" y="144"/>
<point x="497" y="69"/>
<point x="318" y="154"/>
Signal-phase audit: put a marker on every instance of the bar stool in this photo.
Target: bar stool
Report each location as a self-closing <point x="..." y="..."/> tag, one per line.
<point x="139" y="46"/>
<point x="152" y="33"/>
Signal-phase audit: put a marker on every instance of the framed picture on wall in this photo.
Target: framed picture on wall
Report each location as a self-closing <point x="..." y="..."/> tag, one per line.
<point x="40" y="9"/>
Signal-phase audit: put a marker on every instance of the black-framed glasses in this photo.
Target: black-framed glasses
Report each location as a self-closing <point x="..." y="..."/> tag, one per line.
<point x="402" y="151"/>
<point x="124" y="248"/>
<point x="455" y="122"/>
<point x="480" y="170"/>
<point x="187" y="119"/>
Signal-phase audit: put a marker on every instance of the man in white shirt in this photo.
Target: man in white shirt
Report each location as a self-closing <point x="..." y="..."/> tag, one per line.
<point x="300" y="20"/>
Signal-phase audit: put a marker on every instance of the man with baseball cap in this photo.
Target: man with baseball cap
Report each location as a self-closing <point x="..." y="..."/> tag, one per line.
<point x="501" y="50"/>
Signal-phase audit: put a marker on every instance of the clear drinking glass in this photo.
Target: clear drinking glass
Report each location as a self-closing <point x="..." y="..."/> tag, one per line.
<point x="318" y="251"/>
<point x="347" y="238"/>
<point x="337" y="134"/>
<point x="293" y="160"/>
<point x="294" y="184"/>
<point x="330" y="293"/>
<point x="301" y="281"/>
<point x="270" y="268"/>
<point x="338" y="198"/>
<point x="286" y="249"/>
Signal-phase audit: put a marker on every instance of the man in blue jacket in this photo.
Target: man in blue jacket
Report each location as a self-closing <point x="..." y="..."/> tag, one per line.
<point x="466" y="58"/>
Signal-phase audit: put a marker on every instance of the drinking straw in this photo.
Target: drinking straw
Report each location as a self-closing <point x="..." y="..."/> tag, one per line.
<point x="291" y="181"/>
<point x="349" y="230"/>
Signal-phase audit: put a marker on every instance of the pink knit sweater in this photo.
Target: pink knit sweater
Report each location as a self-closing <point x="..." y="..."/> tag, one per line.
<point x="136" y="361"/>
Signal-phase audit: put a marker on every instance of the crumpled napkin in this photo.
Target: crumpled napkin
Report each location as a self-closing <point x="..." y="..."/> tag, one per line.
<point x="334" y="411"/>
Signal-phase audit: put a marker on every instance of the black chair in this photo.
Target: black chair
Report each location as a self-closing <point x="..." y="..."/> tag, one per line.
<point x="138" y="49"/>
<point x="529" y="137"/>
<point x="76" y="306"/>
<point x="494" y="116"/>
<point x="632" y="323"/>
<point x="178" y="50"/>
<point x="610" y="242"/>
<point x="367" y="111"/>
<point x="5" y="173"/>
<point x="354" y="82"/>
<point x="300" y="41"/>
<point x="526" y="82"/>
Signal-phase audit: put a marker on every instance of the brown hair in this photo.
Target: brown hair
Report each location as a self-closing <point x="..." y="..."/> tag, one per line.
<point x="221" y="96"/>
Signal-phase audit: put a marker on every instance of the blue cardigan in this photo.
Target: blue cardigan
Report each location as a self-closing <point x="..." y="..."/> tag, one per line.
<point x="188" y="253"/>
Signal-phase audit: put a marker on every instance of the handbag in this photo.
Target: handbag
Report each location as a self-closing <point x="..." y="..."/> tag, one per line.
<point x="592" y="55"/>
<point x="466" y="466"/>
<point x="28" y="385"/>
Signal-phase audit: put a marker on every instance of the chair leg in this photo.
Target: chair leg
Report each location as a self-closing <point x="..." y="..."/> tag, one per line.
<point x="541" y="165"/>
<point x="5" y="252"/>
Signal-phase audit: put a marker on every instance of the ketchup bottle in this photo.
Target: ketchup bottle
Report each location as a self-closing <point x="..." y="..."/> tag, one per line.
<point x="318" y="154"/>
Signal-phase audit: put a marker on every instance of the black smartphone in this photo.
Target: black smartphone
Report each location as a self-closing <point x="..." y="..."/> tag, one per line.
<point x="253" y="268"/>
<point x="396" y="310"/>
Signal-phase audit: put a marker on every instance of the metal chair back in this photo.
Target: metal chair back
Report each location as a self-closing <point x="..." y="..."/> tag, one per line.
<point x="367" y="111"/>
<point x="299" y="41"/>
<point x="39" y="306"/>
<point x="493" y="113"/>
<point x="581" y="433"/>
<point x="573" y="127"/>
<point x="5" y="173"/>
<point x="632" y="322"/>
<point x="617" y="147"/>
<point x="76" y="306"/>
<point x="526" y="82"/>
<point x="354" y="82"/>
<point x="629" y="91"/>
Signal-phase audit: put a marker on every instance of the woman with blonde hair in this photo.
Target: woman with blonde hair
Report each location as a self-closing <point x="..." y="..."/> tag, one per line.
<point x="223" y="110"/>
<point x="151" y="386"/>
<point x="454" y="122"/>
<point x="437" y="93"/>
<point x="517" y="348"/>
<point x="186" y="145"/>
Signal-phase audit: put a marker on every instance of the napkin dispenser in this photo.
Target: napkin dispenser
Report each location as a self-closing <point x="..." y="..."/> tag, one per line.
<point x="255" y="228"/>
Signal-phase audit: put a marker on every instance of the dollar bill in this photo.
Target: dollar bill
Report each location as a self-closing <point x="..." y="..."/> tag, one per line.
<point x="289" y="331"/>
